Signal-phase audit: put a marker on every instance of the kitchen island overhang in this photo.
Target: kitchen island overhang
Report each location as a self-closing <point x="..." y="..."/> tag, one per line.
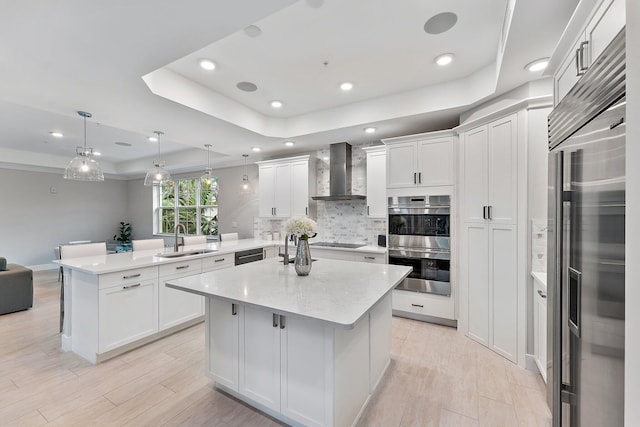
<point x="308" y="350"/>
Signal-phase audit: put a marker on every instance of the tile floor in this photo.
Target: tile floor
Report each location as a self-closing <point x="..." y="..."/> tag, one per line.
<point x="436" y="378"/>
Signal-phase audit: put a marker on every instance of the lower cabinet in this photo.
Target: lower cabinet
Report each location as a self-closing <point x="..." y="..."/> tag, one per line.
<point x="222" y="342"/>
<point x="375" y="258"/>
<point x="127" y="313"/>
<point x="540" y="328"/>
<point x="177" y="307"/>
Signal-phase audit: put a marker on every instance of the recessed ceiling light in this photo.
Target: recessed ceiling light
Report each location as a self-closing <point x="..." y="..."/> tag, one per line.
<point x="370" y="130"/>
<point x="440" y="23"/>
<point x="56" y="134"/>
<point x="252" y="31"/>
<point x="247" y="86"/>
<point x="256" y="149"/>
<point x="537" y="65"/>
<point x="207" y="64"/>
<point x="316" y="4"/>
<point x="123" y="144"/>
<point x="276" y="104"/>
<point x="444" y="59"/>
<point x="289" y="143"/>
<point x="346" y="86"/>
<point x="153" y="139"/>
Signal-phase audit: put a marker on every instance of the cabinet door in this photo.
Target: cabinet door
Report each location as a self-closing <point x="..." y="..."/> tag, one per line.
<point x="222" y="341"/>
<point x="604" y="26"/>
<point x="377" y="184"/>
<point x="567" y="74"/>
<point x="503" y="276"/>
<point x="540" y="332"/>
<point x="260" y="357"/>
<point x="282" y="190"/>
<point x="401" y="165"/>
<point x="475" y="262"/>
<point x="127" y="313"/>
<point x="435" y="162"/>
<point x="307" y="352"/>
<point x="177" y="306"/>
<point x="502" y="170"/>
<point x="267" y="196"/>
<point x="299" y="188"/>
<point x="474" y="175"/>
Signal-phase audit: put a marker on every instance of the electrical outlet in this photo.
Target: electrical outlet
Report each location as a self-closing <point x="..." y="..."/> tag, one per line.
<point x="53" y="190"/>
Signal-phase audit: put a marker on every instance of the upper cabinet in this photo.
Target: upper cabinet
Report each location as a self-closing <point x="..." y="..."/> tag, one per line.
<point x="284" y="187"/>
<point x="376" y="181"/>
<point x="604" y="22"/>
<point x="420" y="160"/>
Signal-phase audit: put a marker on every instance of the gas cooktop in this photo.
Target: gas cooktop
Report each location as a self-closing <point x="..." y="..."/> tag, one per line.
<point x="337" y="245"/>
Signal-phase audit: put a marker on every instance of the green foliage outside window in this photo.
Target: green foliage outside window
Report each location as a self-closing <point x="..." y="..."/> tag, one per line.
<point x="180" y="198"/>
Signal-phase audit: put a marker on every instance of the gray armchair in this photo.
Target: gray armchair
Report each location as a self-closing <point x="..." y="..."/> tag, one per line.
<point x="16" y="289"/>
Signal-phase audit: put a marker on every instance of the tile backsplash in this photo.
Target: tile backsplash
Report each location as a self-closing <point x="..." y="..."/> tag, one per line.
<point x="343" y="221"/>
<point x="539" y="245"/>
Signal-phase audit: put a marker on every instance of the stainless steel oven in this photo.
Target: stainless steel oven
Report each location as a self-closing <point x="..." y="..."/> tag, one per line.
<point x="419" y="237"/>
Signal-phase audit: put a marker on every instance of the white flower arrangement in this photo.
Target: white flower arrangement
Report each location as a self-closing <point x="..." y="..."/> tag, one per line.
<point x="302" y="227"/>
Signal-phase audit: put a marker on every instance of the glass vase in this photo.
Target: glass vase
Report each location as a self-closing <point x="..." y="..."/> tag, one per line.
<point x="303" y="258"/>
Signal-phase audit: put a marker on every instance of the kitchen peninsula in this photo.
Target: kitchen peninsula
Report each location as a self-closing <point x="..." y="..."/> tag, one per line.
<point x="308" y="350"/>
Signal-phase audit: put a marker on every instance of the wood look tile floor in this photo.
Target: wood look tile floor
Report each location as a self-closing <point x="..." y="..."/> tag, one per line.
<point x="437" y="378"/>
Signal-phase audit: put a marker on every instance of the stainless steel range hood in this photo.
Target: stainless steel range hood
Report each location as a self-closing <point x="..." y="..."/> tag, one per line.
<point x="340" y="174"/>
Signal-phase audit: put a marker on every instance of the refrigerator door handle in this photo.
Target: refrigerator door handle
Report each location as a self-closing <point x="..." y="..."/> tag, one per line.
<point x="567" y="396"/>
<point x="574" y="305"/>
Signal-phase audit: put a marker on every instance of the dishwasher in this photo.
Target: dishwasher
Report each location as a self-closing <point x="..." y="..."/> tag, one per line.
<point x="251" y="255"/>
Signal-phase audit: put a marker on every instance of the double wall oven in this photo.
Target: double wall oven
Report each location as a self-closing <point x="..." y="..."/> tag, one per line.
<point x="419" y="237"/>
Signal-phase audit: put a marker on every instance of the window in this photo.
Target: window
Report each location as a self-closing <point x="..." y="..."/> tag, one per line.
<point x="190" y="202"/>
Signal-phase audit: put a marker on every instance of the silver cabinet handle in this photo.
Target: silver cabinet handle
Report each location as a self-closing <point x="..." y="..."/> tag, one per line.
<point x="275" y="211"/>
<point x="182" y="267"/>
<point x="414" y="178"/>
<point x="131" y="286"/>
<point x="484" y="212"/>
<point x="219" y="260"/>
<point x="489" y="213"/>
<point x="234" y="309"/>
<point x="368" y="211"/>
<point x="281" y="322"/>
<point x="369" y="257"/>
<point x="275" y="320"/>
<point x="580" y="61"/>
<point x="542" y="294"/>
<point x="419" y="177"/>
<point x="306" y="210"/>
<point x="418" y="305"/>
<point x="131" y="276"/>
<point x="578" y="73"/>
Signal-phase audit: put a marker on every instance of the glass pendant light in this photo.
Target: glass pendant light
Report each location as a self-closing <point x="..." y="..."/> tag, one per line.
<point x="208" y="172"/>
<point x="157" y="175"/>
<point x="83" y="167"/>
<point x="245" y="177"/>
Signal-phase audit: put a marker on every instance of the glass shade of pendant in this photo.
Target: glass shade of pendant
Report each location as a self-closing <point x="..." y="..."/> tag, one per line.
<point x="157" y="175"/>
<point x="207" y="176"/>
<point x="83" y="167"/>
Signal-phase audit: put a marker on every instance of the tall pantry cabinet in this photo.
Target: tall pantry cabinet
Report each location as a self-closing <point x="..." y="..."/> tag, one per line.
<point x="493" y="220"/>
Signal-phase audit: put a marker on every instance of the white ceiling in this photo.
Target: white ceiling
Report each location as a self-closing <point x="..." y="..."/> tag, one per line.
<point x="60" y="57"/>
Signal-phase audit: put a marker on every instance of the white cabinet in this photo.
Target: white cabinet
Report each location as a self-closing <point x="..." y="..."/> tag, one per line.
<point x="269" y="252"/>
<point x="347" y="255"/>
<point x="420" y="160"/>
<point x="217" y="262"/>
<point x="284" y="186"/>
<point x="540" y="327"/>
<point x="177" y="307"/>
<point x="603" y="24"/>
<point x="376" y="181"/>
<point x="222" y="344"/>
<point x="127" y="313"/>
<point x="407" y="303"/>
<point x="489" y="249"/>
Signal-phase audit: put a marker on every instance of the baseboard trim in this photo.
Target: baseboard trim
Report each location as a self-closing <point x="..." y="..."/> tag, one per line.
<point x="530" y="363"/>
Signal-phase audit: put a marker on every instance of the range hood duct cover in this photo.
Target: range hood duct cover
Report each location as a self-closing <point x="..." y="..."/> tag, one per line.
<point x="340" y="174"/>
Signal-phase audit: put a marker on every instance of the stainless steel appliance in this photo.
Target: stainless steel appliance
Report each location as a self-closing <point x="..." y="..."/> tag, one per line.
<point x="250" y="255"/>
<point x="419" y="234"/>
<point x="586" y="300"/>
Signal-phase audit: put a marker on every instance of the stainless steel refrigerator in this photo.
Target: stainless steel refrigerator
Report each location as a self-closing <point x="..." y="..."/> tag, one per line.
<point x="585" y="276"/>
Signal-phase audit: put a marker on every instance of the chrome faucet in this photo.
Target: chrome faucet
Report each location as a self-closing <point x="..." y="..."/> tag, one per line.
<point x="175" y="242"/>
<point x="286" y="249"/>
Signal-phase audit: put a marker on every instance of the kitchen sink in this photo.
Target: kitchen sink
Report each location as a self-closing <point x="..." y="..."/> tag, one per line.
<point x="186" y="253"/>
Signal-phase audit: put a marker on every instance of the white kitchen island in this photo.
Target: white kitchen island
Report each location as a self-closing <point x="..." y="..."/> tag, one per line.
<point x="307" y="350"/>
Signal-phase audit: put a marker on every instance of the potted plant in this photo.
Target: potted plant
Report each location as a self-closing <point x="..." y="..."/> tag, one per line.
<point x="124" y="238"/>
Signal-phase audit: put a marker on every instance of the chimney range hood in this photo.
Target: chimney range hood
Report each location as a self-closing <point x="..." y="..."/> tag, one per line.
<point x="340" y="174"/>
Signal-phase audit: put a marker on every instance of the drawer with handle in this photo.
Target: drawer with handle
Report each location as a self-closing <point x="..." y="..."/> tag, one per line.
<point x="127" y="277"/>
<point x="369" y="257"/>
<point x="217" y="262"/>
<point x="181" y="268"/>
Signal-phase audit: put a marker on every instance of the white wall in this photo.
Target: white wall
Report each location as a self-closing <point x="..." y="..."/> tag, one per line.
<point x="33" y="220"/>
<point x="632" y="282"/>
<point x="140" y="209"/>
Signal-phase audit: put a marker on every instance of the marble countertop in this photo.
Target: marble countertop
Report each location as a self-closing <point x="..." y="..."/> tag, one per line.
<point x="541" y="278"/>
<point x="335" y="292"/>
<point x="128" y="260"/>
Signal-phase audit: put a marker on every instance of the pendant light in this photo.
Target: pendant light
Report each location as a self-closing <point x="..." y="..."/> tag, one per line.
<point x="208" y="176"/>
<point x="157" y="175"/>
<point x="245" y="177"/>
<point x="83" y="167"/>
